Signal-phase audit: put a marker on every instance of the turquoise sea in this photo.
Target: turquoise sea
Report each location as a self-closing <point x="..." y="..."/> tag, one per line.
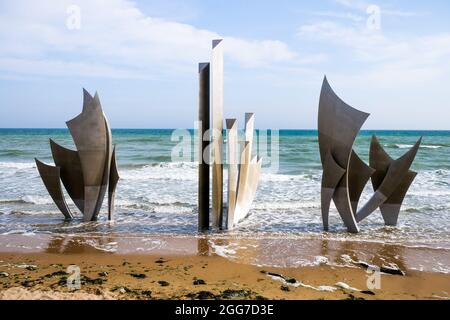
<point x="158" y="196"/>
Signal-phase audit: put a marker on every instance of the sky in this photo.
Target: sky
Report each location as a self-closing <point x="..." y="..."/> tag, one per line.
<point x="388" y="58"/>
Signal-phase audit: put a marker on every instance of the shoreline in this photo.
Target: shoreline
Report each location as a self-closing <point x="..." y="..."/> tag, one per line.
<point x="257" y="251"/>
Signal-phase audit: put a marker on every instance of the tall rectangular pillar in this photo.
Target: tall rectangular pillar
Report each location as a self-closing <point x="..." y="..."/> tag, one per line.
<point x="203" y="157"/>
<point x="217" y="120"/>
<point x="233" y="169"/>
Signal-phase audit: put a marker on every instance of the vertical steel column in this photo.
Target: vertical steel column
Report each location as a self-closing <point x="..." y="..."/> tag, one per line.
<point x="217" y="119"/>
<point x="203" y="167"/>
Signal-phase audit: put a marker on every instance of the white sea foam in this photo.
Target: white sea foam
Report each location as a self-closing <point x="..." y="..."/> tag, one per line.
<point x="225" y="251"/>
<point x="273" y="177"/>
<point x="409" y="146"/>
<point x="15" y="231"/>
<point x="17" y="165"/>
<point x="296" y="284"/>
<point x="107" y="247"/>
<point x="178" y="171"/>
<point x="286" y="205"/>
<point x="37" y="199"/>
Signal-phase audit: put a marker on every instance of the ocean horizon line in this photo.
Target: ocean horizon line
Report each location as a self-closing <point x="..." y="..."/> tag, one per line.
<point x="191" y="129"/>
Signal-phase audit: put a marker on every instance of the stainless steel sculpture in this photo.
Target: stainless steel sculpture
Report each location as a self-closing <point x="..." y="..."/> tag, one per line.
<point x="345" y="174"/>
<point x="90" y="170"/>
<point x="233" y="168"/>
<point x="243" y="170"/>
<point x="390" y="182"/>
<point x="243" y="177"/>
<point x="217" y="138"/>
<point x="51" y="177"/>
<point x="338" y="127"/>
<point x="203" y="157"/>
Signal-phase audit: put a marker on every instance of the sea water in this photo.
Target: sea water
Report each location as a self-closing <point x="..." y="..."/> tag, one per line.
<point x="158" y="196"/>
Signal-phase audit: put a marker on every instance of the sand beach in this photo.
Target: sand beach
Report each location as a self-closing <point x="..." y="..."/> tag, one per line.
<point x="198" y="273"/>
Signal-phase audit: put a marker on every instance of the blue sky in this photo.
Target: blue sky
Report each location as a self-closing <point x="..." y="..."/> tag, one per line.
<point x="142" y="59"/>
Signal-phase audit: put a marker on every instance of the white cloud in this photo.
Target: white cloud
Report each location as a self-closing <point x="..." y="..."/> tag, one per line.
<point x="354" y="4"/>
<point x="340" y="15"/>
<point x="399" y="13"/>
<point x="373" y="46"/>
<point x="384" y="60"/>
<point x="361" y="5"/>
<point x="115" y="39"/>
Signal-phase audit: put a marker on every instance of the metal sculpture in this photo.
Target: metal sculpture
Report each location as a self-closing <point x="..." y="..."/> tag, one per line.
<point x="87" y="172"/>
<point x="390" y="182"/>
<point x="339" y="125"/>
<point x="243" y="170"/>
<point x="243" y="177"/>
<point x="203" y="157"/>
<point x="345" y="174"/>
<point x="217" y="138"/>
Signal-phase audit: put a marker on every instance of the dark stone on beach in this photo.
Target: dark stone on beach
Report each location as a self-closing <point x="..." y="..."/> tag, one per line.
<point x="31" y="268"/>
<point x="103" y="274"/>
<point x="198" y="282"/>
<point x="98" y="292"/>
<point x="202" y="295"/>
<point x="290" y="280"/>
<point x="258" y="297"/>
<point x="273" y="274"/>
<point x="138" y="275"/>
<point x="393" y="271"/>
<point x="285" y="288"/>
<point x="368" y="292"/>
<point x="352" y="297"/>
<point x="146" y="293"/>
<point x="363" y="264"/>
<point x="124" y="289"/>
<point x="28" y="283"/>
<point x="160" y="260"/>
<point x="285" y="278"/>
<point x="87" y="280"/>
<point x="230" y="294"/>
<point x="97" y="281"/>
<point x="388" y="270"/>
<point x="163" y="283"/>
<point x="62" y="281"/>
<point x="56" y="274"/>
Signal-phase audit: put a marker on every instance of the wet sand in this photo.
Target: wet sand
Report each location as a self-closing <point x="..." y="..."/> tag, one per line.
<point x="103" y="275"/>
